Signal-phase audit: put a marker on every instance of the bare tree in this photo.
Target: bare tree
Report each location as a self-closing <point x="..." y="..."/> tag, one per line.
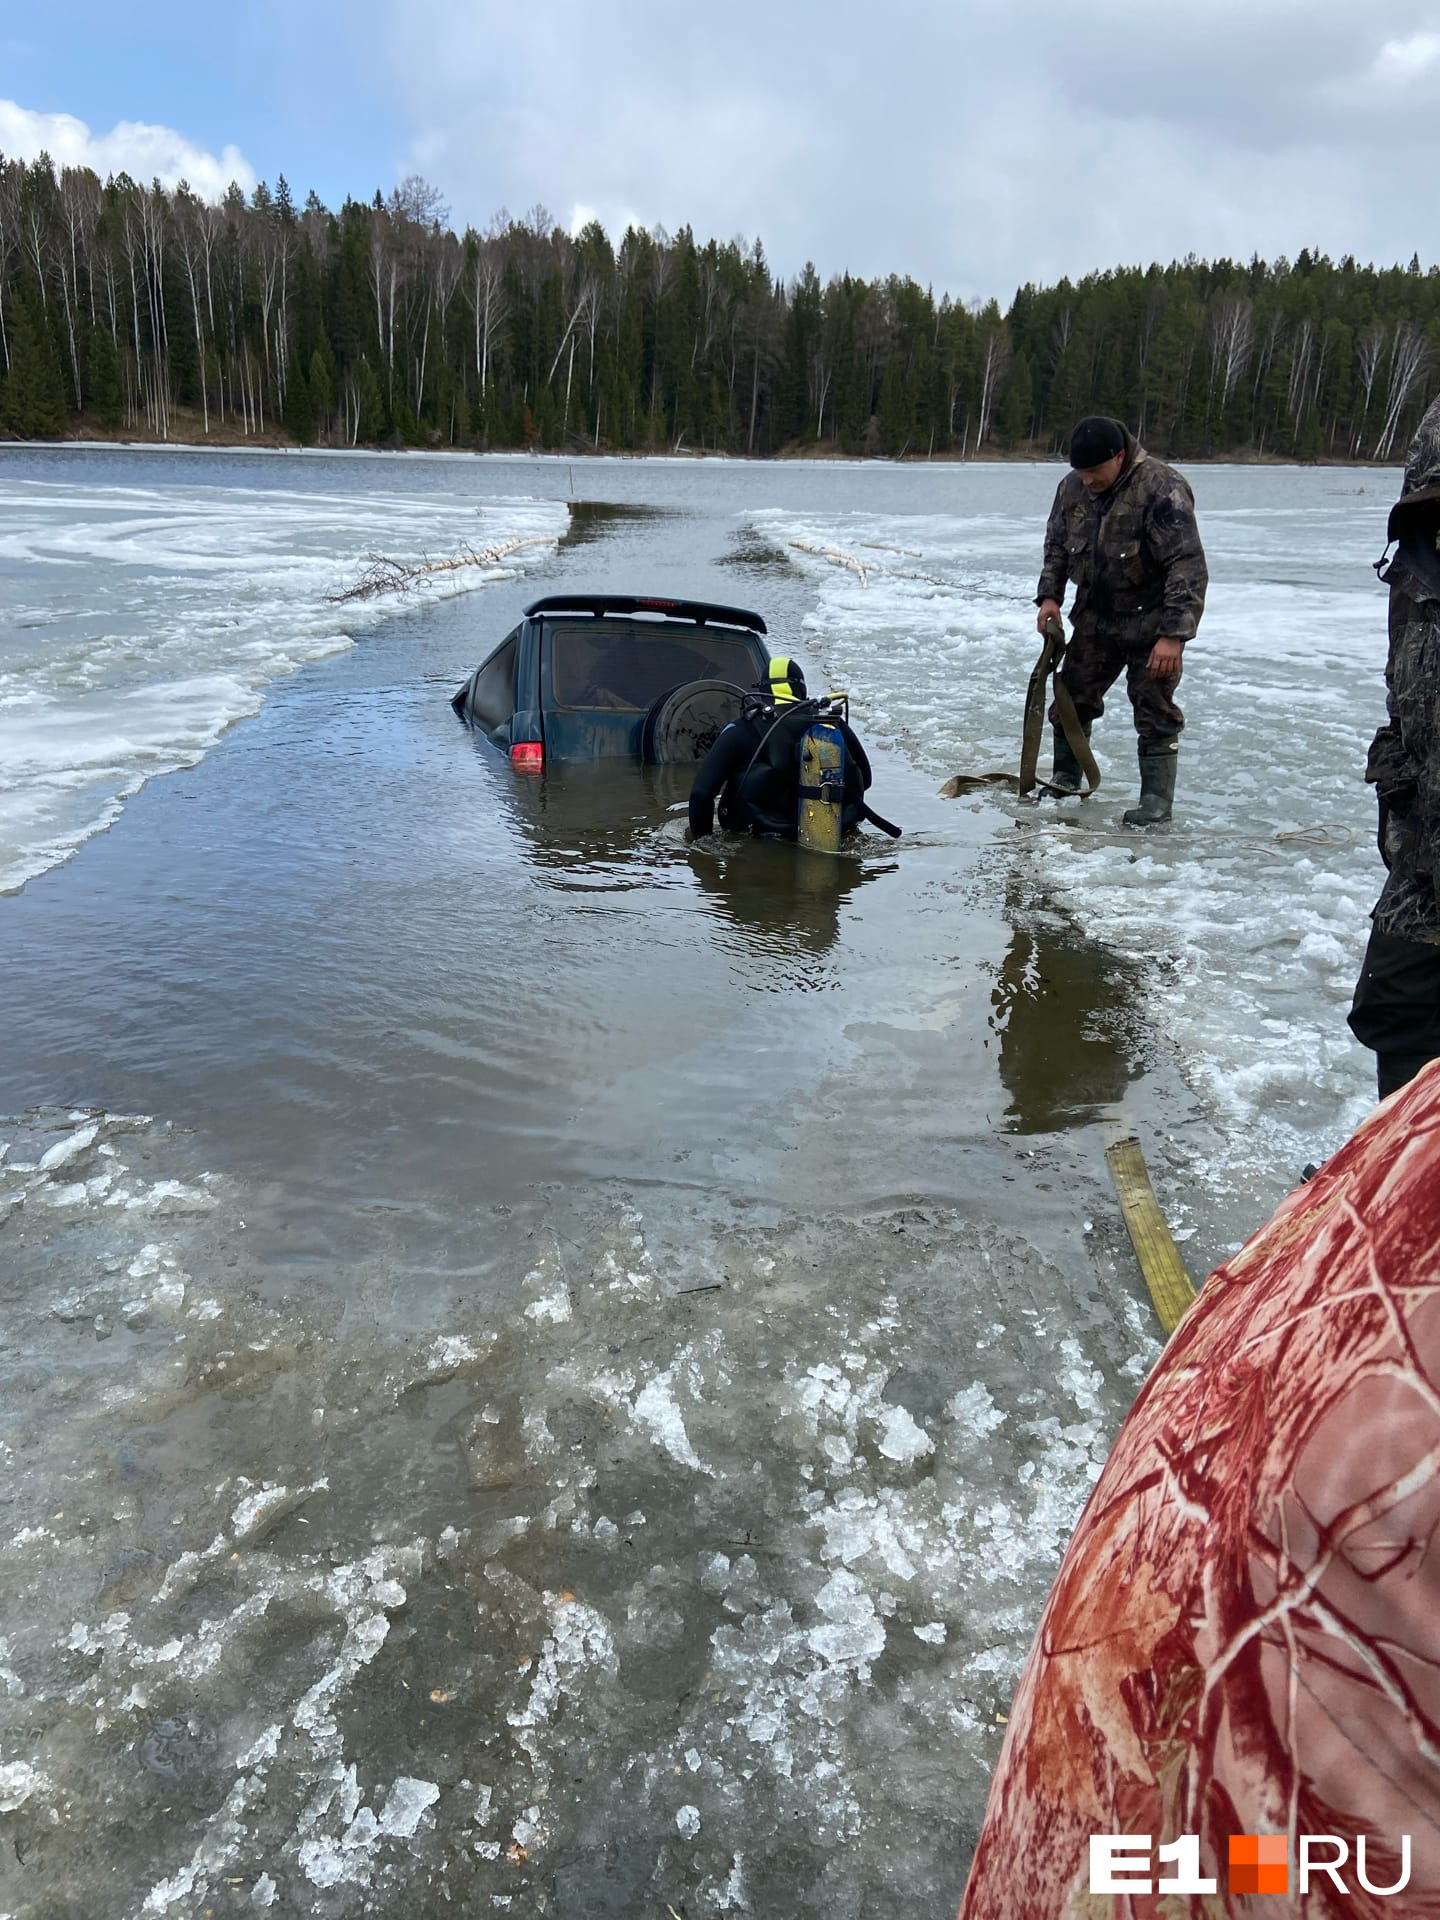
<point x="585" y="297"/>
<point x="80" y="213"/>
<point x="1232" y="341"/>
<point x="36" y="189"/>
<point x="994" y="364"/>
<point x="1409" y="362"/>
<point x="383" y="261"/>
<point x="191" y="243"/>
<point x="1274" y="327"/>
<point x="424" y="205"/>
<point x="1368" y="349"/>
<point x="9" y="241"/>
<point x="819" y="373"/>
<point x="488" y="303"/>
<point x="1298" y="391"/>
<point x="446" y="267"/>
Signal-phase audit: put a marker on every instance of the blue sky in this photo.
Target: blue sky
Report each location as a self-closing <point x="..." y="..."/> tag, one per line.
<point x="246" y="78"/>
<point x="973" y="144"/>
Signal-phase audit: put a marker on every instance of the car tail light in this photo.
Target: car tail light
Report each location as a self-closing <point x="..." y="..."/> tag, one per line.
<point x="528" y="756"/>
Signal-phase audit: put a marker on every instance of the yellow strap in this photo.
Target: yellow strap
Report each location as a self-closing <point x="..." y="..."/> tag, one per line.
<point x="1171" y="1287"/>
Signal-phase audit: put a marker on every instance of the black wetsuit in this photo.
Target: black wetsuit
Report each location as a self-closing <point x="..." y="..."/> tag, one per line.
<point x="754" y="768"/>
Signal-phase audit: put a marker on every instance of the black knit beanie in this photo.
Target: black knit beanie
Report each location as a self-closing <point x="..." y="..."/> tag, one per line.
<point x="1094" y="440"/>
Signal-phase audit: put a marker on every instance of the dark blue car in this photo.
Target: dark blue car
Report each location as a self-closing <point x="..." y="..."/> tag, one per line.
<point x="607" y="676"/>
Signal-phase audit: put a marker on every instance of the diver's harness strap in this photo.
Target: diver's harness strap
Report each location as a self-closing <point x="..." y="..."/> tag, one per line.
<point x="833" y="791"/>
<point x="756" y="707"/>
<point x="1052" y="657"/>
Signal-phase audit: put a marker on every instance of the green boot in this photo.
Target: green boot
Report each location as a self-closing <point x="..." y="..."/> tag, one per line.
<point x="1068" y="776"/>
<point x="1158" y="761"/>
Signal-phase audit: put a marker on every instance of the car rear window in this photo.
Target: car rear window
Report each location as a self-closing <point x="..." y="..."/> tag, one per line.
<point x="492" y="698"/>
<point x="626" y="669"/>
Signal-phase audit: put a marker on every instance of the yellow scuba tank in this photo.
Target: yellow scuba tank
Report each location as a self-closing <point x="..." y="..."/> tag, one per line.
<point x="822" y="787"/>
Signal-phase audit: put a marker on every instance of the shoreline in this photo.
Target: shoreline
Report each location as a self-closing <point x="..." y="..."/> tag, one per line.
<point x="97" y="438"/>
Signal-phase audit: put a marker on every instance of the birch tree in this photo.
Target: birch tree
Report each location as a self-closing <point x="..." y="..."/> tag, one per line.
<point x="489" y="305"/>
<point x="994" y="364"/>
<point x="1232" y="340"/>
<point x="1409" y="362"/>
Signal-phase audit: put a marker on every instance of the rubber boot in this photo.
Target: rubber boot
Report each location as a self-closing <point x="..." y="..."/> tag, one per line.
<point x="1068" y="776"/>
<point x="1158" y="761"/>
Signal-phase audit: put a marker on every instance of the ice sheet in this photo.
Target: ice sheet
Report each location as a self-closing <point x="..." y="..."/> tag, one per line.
<point x="141" y="623"/>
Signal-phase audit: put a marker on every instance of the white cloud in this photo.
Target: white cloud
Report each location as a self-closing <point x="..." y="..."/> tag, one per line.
<point x="614" y="219"/>
<point x="973" y="144"/>
<point x="144" y="152"/>
<point x="1399" y="62"/>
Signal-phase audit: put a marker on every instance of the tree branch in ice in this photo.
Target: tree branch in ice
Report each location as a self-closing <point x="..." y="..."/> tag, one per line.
<point x="835" y="556"/>
<point x="385" y="575"/>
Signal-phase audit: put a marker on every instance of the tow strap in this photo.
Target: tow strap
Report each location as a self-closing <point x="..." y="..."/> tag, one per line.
<point x="1052" y="657"/>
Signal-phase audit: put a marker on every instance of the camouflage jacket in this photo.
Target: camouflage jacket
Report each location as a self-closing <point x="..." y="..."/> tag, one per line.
<point x="1404" y="762"/>
<point x="1133" y="554"/>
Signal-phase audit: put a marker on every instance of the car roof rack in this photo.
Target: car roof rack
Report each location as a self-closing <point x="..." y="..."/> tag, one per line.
<point x="700" y="611"/>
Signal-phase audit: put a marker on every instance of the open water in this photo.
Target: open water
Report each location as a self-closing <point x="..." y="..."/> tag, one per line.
<point x="548" y="1369"/>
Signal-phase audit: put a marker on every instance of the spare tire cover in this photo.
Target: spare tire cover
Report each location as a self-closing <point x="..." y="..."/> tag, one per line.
<point x="685" y="723"/>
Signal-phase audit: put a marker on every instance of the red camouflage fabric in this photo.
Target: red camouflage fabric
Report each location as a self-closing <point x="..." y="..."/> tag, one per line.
<point x="1244" y="1635"/>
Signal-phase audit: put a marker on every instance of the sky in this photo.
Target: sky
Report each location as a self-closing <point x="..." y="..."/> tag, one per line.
<point x="974" y="145"/>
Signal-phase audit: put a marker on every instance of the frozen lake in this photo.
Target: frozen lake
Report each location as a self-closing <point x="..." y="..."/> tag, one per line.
<point x="547" y="1370"/>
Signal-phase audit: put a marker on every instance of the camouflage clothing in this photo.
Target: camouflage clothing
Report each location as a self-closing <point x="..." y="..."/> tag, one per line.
<point x="1396" y="1011"/>
<point x="1134" y="557"/>
<point x="1095" y="661"/>
<point x="1404" y="762"/>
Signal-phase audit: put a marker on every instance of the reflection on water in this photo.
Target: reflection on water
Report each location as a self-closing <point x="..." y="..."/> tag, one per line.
<point x="754" y="554"/>
<point x="782" y="901"/>
<point x="618" y="828"/>
<point x="1063" y="1008"/>
<point x="592" y="520"/>
<point x="594" y="827"/>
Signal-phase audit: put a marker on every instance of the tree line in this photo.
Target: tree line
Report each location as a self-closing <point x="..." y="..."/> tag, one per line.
<point x="145" y="310"/>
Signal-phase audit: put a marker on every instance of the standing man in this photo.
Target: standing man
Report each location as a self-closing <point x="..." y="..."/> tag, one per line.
<point x="1397" y="998"/>
<point x="1122" y="530"/>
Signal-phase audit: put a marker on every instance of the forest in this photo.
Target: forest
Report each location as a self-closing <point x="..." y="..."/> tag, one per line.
<point x="152" y="313"/>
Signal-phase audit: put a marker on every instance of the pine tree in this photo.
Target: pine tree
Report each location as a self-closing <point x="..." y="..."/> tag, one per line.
<point x="32" y="396"/>
<point x="369" y="401"/>
<point x="1017" y="405"/>
<point x="321" y="382"/>
<point x="298" y="415"/>
<point x="106" y="397"/>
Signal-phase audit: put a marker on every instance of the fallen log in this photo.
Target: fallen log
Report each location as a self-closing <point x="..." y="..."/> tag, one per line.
<point x="386" y="575"/>
<point x="836" y="556"/>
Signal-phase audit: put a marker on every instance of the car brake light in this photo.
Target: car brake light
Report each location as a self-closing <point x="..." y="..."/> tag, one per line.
<point x="528" y="756"/>
<point x="666" y="604"/>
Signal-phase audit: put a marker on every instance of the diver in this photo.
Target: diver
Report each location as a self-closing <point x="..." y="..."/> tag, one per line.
<point x="755" y="766"/>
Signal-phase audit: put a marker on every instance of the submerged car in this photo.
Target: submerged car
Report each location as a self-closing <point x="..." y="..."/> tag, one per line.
<point x="611" y="676"/>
